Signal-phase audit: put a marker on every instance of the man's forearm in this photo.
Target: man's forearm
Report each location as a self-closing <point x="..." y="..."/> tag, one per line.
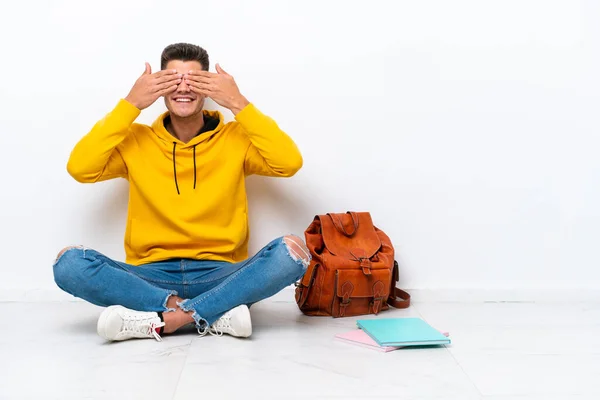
<point x="272" y="146"/>
<point x="92" y="153"/>
<point x="238" y="105"/>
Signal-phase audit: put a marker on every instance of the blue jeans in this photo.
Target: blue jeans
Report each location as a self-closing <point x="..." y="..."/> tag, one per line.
<point x="209" y="288"/>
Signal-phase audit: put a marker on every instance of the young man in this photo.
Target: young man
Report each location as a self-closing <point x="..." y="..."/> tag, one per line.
<point x="186" y="240"/>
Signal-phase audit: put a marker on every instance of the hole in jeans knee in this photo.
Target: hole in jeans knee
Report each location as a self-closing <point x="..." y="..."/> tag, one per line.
<point x="63" y="251"/>
<point x="297" y="249"/>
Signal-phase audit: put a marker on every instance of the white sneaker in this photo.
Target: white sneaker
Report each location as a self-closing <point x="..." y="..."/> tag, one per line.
<point x="235" y="322"/>
<point x="120" y="323"/>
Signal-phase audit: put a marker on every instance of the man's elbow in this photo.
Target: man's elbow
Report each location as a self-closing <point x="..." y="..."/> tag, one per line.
<point x="294" y="164"/>
<point x="77" y="172"/>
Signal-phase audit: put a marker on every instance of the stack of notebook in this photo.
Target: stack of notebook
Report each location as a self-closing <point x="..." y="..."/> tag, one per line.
<point x="387" y="334"/>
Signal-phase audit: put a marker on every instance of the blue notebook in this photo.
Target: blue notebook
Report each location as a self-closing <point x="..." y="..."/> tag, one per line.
<point x="402" y="332"/>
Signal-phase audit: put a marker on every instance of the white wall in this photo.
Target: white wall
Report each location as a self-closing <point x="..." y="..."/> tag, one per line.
<point x="468" y="128"/>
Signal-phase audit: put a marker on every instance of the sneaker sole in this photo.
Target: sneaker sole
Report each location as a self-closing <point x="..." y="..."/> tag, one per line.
<point x="101" y="326"/>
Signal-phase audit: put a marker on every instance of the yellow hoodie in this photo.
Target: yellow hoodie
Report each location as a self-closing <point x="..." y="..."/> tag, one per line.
<point x="186" y="200"/>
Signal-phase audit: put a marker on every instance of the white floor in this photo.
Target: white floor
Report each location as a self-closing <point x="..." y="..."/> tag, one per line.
<point x="499" y="351"/>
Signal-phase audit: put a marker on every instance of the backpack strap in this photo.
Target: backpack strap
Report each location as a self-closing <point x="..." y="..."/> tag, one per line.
<point x="305" y="284"/>
<point x="394" y="302"/>
<point x="396" y="293"/>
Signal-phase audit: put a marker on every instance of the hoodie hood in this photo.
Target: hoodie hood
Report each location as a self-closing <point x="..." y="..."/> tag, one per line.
<point x="213" y="124"/>
<point x="210" y="117"/>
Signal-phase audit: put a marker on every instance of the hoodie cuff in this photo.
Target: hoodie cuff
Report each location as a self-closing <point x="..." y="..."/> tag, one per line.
<point x="126" y="111"/>
<point x="249" y="117"/>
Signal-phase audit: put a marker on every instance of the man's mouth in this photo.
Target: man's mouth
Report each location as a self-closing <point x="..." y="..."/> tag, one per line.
<point x="183" y="99"/>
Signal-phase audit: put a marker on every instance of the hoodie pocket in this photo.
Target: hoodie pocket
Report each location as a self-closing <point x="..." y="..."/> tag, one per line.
<point x="138" y="238"/>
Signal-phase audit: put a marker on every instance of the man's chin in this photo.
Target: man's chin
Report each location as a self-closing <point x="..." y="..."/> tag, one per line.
<point x="185" y="113"/>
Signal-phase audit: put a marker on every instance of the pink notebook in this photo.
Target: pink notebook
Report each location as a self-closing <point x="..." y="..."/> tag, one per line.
<point x="360" y="338"/>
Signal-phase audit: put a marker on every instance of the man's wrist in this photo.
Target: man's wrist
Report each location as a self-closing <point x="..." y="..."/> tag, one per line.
<point x="132" y="102"/>
<point x="238" y="105"/>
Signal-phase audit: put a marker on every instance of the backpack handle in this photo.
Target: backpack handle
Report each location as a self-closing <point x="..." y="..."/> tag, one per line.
<point x="340" y="227"/>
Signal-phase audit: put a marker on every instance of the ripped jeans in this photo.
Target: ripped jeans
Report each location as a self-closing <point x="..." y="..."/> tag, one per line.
<point x="209" y="288"/>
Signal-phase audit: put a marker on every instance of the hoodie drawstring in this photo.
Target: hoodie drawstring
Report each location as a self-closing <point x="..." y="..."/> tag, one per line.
<point x="195" y="165"/>
<point x="175" y="167"/>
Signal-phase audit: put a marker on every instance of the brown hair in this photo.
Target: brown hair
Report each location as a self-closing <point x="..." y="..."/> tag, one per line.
<point x="184" y="52"/>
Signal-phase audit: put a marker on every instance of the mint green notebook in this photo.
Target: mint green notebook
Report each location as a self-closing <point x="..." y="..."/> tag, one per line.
<point x="402" y="332"/>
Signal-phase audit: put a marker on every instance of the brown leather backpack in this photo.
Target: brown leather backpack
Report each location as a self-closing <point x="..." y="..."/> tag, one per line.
<point x="352" y="271"/>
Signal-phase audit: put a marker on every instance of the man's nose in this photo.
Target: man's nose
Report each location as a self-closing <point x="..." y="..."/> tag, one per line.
<point x="183" y="87"/>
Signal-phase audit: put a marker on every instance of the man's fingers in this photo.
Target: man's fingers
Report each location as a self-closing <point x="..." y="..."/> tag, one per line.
<point x="167" y="90"/>
<point x="203" y="92"/>
<point x="198" y="78"/>
<point x="221" y="70"/>
<point x="197" y="72"/>
<point x="166" y="85"/>
<point x="201" y="86"/>
<point x="165" y="72"/>
<point x="167" y="78"/>
<point x="148" y="70"/>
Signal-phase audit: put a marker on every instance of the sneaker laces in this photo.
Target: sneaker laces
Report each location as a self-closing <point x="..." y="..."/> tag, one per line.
<point x="141" y="324"/>
<point x="210" y="330"/>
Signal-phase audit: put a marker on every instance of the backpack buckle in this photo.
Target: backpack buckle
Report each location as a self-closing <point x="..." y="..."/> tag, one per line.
<point x="365" y="264"/>
<point x="376" y="305"/>
<point x="347" y="289"/>
<point x="343" y="304"/>
<point x="378" y="296"/>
